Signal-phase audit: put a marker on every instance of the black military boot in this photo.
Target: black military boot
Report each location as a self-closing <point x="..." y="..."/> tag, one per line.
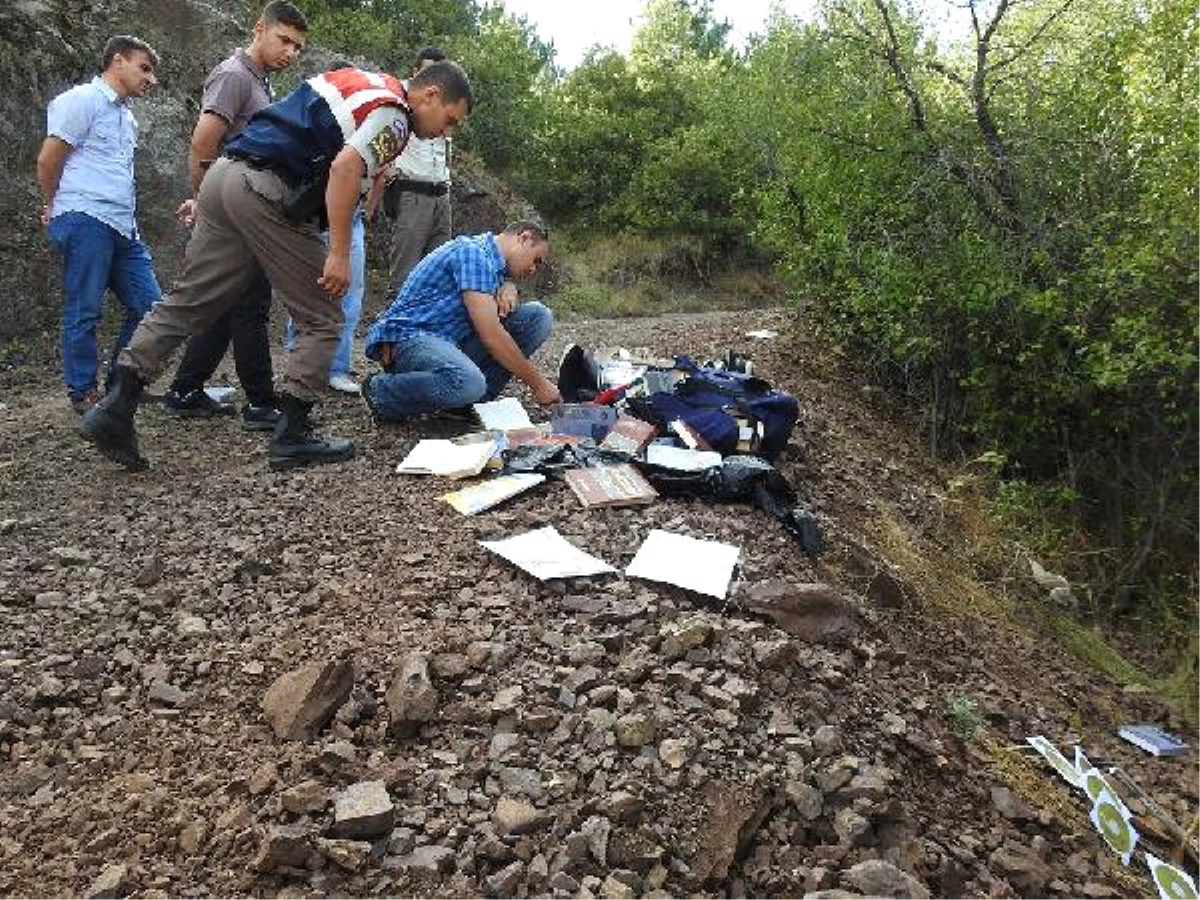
<point x="109" y="424"/>
<point x="296" y="443"/>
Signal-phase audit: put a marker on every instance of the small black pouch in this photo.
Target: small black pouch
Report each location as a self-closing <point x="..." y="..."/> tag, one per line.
<point x="306" y="200"/>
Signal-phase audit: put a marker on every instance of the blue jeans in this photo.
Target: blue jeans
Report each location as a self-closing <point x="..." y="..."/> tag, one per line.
<point x="96" y="258"/>
<point x="352" y="300"/>
<point x="429" y="373"/>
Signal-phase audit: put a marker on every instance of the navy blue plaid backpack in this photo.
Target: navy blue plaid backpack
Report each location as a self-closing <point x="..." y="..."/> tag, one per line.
<point x="711" y="401"/>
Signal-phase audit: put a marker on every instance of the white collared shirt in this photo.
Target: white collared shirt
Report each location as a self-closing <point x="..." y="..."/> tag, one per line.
<point x="425" y="159"/>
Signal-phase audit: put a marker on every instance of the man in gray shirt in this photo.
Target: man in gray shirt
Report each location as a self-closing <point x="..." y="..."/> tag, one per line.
<point x="234" y="91"/>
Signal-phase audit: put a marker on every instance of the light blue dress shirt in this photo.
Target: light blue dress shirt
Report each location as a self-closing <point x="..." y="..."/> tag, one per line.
<point x="97" y="178"/>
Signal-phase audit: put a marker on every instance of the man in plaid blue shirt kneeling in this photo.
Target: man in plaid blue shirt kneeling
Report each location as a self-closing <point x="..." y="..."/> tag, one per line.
<point x="456" y="333"/>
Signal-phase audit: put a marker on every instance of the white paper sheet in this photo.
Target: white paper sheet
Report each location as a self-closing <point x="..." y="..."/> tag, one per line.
<point x="705" y="567"/>
<point x="506" y="414"/>
<point x="446" y="458"/>
<point x="547" y="554"/>
<point x="682" y="459"/>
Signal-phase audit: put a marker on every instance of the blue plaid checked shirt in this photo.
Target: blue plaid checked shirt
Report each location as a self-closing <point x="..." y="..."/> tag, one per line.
<point x="430" y="300"/>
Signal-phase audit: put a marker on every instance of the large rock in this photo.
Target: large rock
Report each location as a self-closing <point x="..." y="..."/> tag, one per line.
<point x="732" y="814"/>
<point x="513" y="816"/>
<point x="363" y="811"/>
<point x="1010" y="805"/>
<point x="812" y="612"/>
<point x="505" y="882"/>
<point x="876" y="878"/>
<point x="284" y="847"/>
<point x="305" y="797"/>
<point x="301" y="702"/>
<point x="634" y="730"/>
<point x="1021" y="868"/>
<point x="352" y="856"/>
<point x="430" y="859"/>
<point x="411" y="698"/>
<point x="112" y="882"/>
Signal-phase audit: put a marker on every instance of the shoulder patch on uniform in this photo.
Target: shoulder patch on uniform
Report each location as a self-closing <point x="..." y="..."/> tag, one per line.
<point x="387" y="145"/>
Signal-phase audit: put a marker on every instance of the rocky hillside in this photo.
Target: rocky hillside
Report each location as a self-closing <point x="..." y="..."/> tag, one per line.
<point x="217" y="680"/>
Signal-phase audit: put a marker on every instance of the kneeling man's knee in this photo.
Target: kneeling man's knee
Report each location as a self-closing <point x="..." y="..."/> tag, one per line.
<point x="464" y="387"/>
<point x="538" y="320"/>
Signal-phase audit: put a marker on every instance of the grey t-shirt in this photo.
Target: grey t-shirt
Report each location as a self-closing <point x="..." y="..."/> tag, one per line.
<point x="235" y="90"/>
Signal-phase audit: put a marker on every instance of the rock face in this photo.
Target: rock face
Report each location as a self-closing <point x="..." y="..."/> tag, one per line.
<point x="39" y="62"/>
<point x="301" y="702"/>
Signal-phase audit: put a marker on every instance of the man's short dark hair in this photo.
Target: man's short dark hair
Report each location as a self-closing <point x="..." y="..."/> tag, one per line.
<point x="528" y="226"/>
<point x="124" y="44"/>
<point x="285" y="14"/>
<point x="450" y="79"/>
<point x="430" y="53"/>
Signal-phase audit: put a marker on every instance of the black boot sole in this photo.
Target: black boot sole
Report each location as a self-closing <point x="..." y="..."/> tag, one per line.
<point x="282" y="463"/>
<point x="92" y="427"/>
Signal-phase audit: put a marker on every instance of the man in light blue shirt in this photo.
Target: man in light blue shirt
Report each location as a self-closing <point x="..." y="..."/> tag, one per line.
<point x="85" y="172"/>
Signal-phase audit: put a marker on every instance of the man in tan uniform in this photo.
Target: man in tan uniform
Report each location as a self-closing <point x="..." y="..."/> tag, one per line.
<point x="299" y="162"/>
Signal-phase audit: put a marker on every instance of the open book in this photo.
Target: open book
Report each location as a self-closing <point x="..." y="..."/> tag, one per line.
<point x="449" y="459"/>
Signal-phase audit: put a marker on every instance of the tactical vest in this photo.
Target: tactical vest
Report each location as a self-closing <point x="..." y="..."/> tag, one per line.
<point x="306" y="129"/>
<point x="353" y="94"/>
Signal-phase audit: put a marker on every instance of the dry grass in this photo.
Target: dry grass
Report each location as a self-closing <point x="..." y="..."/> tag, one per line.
<point x="627" y="275"/>
<point x="937" y="574"/>
<point x="1028" y="776"/>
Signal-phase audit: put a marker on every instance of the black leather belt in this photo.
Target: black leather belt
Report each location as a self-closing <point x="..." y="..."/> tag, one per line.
<point x="428" y="188"/>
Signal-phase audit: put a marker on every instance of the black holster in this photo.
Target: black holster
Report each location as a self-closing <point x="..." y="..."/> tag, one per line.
<point x="306" y="200"/>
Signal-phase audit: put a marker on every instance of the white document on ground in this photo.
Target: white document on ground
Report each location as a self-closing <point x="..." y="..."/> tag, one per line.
<point x="681" y="459"/>
<point x="446" y="458"/>
<point x="506" y="414"/>
<point x="705" y="567"/>
<point x="545" y="553"/>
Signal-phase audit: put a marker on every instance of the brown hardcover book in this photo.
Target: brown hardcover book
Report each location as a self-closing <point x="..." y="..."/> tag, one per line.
<point x="621" y="485"/>
<point x="629" y="434"/>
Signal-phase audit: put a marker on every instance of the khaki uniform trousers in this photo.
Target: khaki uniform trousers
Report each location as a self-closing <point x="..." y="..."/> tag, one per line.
<point x="422" y="223"/>
<point x="239" y="220"/>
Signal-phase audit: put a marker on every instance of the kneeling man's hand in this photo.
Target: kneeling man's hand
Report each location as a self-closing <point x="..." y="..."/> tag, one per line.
<point x="545" y="392"/>
<point x="506" y="298"/>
